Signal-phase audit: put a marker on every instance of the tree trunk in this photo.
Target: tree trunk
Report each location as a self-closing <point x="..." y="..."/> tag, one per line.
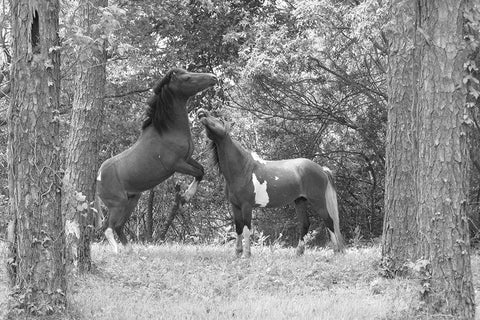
<point x="36" y="261"/>
<point x="433" y="112"/>
<point x="400" y="230"/>
<point x="82" y="143"/>
<point x="177" y="205"/>
<point x="149" y="217"/>
<point x="444" y="165"/>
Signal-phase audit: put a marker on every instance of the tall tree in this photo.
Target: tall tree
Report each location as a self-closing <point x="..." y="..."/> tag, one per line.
<point x="400" y="228"/>
<point x="443" y="168"/>
<point x="37" y="254"/>
<point x="428" y="99"/>
<point x="82" y="143"/>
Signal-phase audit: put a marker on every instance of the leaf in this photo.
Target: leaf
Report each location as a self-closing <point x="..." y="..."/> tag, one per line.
<point x="80" y="197"/>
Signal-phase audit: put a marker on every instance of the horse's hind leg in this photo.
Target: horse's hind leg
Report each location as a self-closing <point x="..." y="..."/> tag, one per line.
<point x="303" y="223"/>
<point x="329" y="213"/>
<point x="132" y="203"/>
<point x="117" y="217"/>
<point x="331" y="231"/>
<point x="113" y="214"/>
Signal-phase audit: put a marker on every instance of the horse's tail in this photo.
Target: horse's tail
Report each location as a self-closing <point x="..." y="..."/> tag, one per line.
<point x="332" y="208"/>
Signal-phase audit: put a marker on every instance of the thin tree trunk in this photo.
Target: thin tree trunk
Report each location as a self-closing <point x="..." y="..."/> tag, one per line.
<point x="37" y="267"/>
<point x="149" y="218"/>
<point x="82" y="143"/>
<point x="172" y="213"/>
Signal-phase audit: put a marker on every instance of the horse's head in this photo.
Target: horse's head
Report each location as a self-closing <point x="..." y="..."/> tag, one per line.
<point x="216" y="128"/>
<point x="177" y="83"/>
<point x="184" y="83"/>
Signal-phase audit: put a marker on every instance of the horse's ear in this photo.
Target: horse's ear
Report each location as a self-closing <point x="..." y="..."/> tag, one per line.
<point x="152" y="101"/>
<point x="157" y="88"/>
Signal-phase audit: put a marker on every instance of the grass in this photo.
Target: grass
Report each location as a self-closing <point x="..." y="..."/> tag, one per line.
<point x="207" y="282"/>
<point x="174" y="281"/>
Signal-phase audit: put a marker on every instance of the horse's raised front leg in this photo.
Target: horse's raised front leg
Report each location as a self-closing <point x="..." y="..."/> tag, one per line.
<point x="192" y="168"/>
<point x="303" y="223"/>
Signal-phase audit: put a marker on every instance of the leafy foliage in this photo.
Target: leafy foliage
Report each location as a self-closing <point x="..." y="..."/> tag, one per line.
<point x="303" y="78"/>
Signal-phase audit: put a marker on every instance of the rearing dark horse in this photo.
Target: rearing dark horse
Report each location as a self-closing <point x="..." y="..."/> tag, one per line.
<point x="165" y="146"/>
<point x="252" y="182"/>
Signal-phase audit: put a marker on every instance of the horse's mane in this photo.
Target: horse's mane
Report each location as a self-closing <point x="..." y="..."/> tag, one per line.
<point x="212" y="147"/>
<point x="159" y="112"/>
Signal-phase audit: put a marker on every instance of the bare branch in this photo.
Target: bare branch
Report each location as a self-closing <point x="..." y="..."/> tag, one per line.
<point x="5" y="90"/>
<point x="128" y="93"/>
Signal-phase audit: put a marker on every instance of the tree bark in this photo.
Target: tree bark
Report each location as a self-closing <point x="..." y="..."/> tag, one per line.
<point x="444" y="159"/>
<point x="82" y="143"/>
<point x="149" y="217"/>
<point x="37" y="255"/>
<point x="400" y="229"/>
<point x="177" y="205"/>
<point x="430" y="164"/>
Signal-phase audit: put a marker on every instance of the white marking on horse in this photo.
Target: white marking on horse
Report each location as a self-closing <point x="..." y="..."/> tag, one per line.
<point x="111" y="239"/>
<point x="239" y="245"/>
<point x="300" y="248"/>
<point x="192" y="189"/>
<point x="260" y="190"/>
<point x="257" y="158"/>
<point x="99" y="177"/>
<point x="276" y="178"/>
<point x="246" y="236"/>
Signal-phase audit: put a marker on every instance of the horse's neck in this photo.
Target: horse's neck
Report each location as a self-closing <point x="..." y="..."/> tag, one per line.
<point x="233" y="159"/>
<point x="180" y="117"/>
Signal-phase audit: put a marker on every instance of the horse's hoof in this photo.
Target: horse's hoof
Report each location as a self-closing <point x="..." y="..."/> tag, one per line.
<point x="238" y="253"/>
<point x="247" y="255"/>
<point x="300" y="251"/>
<point x="128" y="248"/>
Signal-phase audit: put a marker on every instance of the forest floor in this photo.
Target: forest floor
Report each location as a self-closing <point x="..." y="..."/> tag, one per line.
<point x="178" y="281"/>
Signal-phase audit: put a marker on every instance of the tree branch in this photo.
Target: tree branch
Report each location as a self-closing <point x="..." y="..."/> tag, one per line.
<point x="127" y="93"/>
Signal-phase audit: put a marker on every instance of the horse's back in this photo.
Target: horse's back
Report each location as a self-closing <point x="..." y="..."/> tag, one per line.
<point x="288" y="180"/>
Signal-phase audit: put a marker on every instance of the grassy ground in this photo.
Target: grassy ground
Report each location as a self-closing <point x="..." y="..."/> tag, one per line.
<point x="206" y="282"/>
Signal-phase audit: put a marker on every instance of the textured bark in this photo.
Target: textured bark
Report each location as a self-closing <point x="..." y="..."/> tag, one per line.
<point x="37" y="256"/>
<point x="82" y="143"/>
<point x="428" y="158"/>
<point x="400" y="229"/>
<point x="443" y="150"/>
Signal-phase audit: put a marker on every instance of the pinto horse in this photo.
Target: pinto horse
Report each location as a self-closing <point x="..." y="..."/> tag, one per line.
<point x="164" y="147"/>
<point x="253" y="182"/>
